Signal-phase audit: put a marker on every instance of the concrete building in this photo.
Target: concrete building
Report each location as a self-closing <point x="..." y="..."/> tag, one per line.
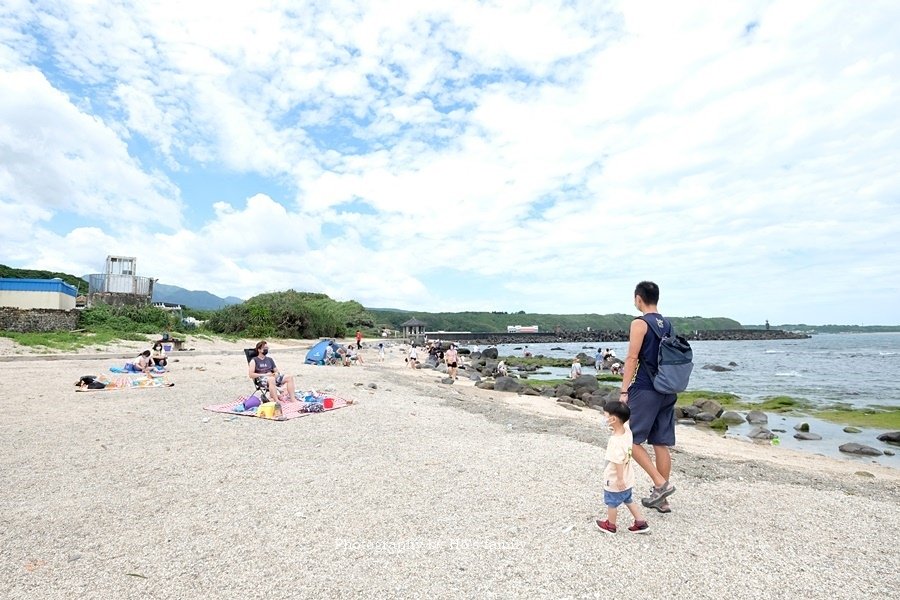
<point x="119" y="285"/>
<point x="37" y="293"/>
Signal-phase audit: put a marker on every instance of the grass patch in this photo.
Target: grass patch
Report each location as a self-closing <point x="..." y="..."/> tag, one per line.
<point x="539" y="361"/>
<point x="862" y="417"/>
<point x="778" y="404"/>
<point x="725" y="399"/>
<point x="609" y="377"/>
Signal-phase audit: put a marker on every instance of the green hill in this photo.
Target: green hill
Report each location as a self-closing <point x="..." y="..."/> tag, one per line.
<point x="14" y="273"/>
<point x="498" y="321"/>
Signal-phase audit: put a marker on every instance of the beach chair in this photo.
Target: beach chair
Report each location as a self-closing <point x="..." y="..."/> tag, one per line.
<point x="262" y="387"/>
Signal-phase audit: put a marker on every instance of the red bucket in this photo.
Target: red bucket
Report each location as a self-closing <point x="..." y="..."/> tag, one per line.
<point x="328" y="403"/>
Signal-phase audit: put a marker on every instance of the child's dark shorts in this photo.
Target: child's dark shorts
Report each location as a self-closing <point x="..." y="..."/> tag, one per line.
<point x="652" y="417"/>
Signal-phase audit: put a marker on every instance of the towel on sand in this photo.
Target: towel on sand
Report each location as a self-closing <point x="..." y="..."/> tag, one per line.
<point x="128" y="383"/>
<point x="289" y="410"/>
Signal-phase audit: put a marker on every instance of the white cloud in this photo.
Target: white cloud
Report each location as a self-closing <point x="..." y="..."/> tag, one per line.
<point x="557" y="150"/>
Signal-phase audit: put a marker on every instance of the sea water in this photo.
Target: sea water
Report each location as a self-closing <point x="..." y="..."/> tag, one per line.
<point x="859" y="369"/>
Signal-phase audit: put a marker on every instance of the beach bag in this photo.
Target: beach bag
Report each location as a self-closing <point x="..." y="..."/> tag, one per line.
<point x="675" y="359"/>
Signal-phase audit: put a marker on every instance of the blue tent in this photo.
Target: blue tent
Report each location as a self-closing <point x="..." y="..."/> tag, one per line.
<point x="316" y="355"/>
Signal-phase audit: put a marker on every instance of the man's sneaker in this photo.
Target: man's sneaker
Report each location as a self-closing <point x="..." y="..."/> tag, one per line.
<point x="658" y="494"/>
<point x="639" y="527"/>
<point x="605" y="526"/>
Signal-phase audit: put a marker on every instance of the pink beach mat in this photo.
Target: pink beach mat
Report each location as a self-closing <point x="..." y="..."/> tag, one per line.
<point x="289" y="410"/>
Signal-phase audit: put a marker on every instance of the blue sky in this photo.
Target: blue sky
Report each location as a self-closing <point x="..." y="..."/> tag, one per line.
<point x="461" y="155"/>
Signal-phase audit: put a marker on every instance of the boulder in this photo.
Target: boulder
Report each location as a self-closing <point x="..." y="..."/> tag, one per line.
<point x="597" y="400"/>
<point x="889" y="453"/>
<point x="891" y="437"/>
<point x="485" y="385"/>
<point x="690" y="412"/>
<point x="579" y="402"/>
<point x="705" y="417"/>
<point x="731" y="417"/>
<point x="447" y="380"/>
<point x="719" y="424"/>
<point x="565" y="399"/>
<point x="805" y="435"/>
<point x="530" y="391"/>
<point x="760" y="433"/>
<point x="710" y="406"/>
<point x="507" y="384"/>
<point x="548" y="392"/>
<point x="801" y="427"/>
<point x="564" y="389"/>
<point x="861" y="449"/>
<point x="732" y="364"/>
<point x="757" y="417"/>
<point x="489" y="353"/>
<point x="852" y="430"/>
<point x="585" y="383"/>
<point x="474" y="376"/>
<point x="716" y="368"/>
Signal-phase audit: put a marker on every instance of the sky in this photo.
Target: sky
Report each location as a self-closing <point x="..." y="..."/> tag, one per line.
<point x="461" y="155"/>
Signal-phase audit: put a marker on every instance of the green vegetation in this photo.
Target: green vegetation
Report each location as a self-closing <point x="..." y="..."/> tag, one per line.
<point x="498" y="321"/>
<point x="884" y="417"/>
<point x="887" y="418"/>
<point x="14" y="273"/>
<point x="290" y="314"/>
<point x="101" y="325"/>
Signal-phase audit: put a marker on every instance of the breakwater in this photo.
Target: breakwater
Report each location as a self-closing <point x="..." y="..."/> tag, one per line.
<point x="496" y="338"/>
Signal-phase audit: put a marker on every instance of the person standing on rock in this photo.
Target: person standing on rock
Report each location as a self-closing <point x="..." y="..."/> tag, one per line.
<point x="451" y="357"/>
<point x="575" y="373"/>
<point x="652" y="413"/>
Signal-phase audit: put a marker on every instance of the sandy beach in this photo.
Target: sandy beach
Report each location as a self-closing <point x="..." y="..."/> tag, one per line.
<point x="417" y="490"/>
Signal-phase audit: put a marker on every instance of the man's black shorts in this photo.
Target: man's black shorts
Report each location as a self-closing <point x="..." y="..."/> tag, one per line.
<point x="652" y="417"/>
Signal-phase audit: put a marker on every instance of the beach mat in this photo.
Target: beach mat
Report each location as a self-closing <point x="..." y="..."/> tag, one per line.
<point x="128" y="383"/>
<point x="289" y="410"/>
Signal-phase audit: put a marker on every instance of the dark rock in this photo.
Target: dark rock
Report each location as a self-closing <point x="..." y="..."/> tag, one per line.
<point x="757" y="417"/>
<point x="760" y="433"/>
<point x="565" y="399"/>
<point x="585" y="382"/>
<point x="579" y="402"/>
<point x="732" y="364"/>
<point x="710" y="406"/>
<point x="852" y="430"/>
<point x="485" y="385"/>
<point x="507" y="384"/>
<point x="489" y="353"/>
<point x="862" y="449"/>
<point x="464" y="351"/>
<point x="568" y="406"/>
<point x="805" y="435"/>
<point x="779" y="430"/>
<point x="548" y="392"/>
<point x="597" y="400"/>
<point x="731" y="417"/>
<point x="889" y="453"/>
<point x="686" y="422"/>
<point x="706" y="417"/>
<point x="690" y="412"/>
<point x="447" y="380"/>
<point x="373" y="386"/>
<point x="530" y="391"/>
<point x="801" y="427"/>
<point x="565" y="389"/>
<point x="475" y="377"/>
<point x="557" y="348"/>
<point x="719" y="423"/>
<point x="891" y="437"/>
<point x="716" y="368"/>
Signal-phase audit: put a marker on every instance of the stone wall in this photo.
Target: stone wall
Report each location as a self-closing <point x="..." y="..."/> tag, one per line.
<point x="37" y="319"/>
